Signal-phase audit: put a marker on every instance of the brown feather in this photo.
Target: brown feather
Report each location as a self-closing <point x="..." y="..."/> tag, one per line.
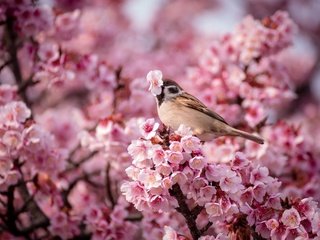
<point x="190" y="101"/>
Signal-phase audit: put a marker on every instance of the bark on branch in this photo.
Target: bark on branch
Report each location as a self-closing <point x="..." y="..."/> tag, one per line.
<point x="189" y="215"/>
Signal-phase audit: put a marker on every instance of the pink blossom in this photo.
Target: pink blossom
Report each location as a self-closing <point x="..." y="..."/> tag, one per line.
<point x="8" y="93"/>
<point x="175" y="146"/>
<point x="155" y="80"/>
<point x="291" y="218"/>
<point x="281" y="232"/>
<point x="247" y="196"/>
<point x="133" y="191"/>
<point x="164" y="169"/>
<point x="169" y="234"/>
<point x="316" y="223"/>
<point x="93" y="214"/>
<point x="179" y="177"/>
<point x="59" y="223"/>
<point x="139" y="150"/>
<point x="5" y="166"/>
<point x="158" y="155"/>
<point x="260" y="174"/>
<point x="49" y="52"/>
<point x="12" y="140"/>
<point x="14" y="113"/>
<point x="255" y="112"/>
<point x="150" y="179"/>
<point x="307" y="207"/>
<point x="213" y="209"/>
<point x="184" y="131"/>
<point x="166" y="183"/>
<point x="190" y="143"/>
<point x="219" y="236"/>
<point x="67" y="24"/>
<point x="272" y="224"/>
<point x="205" y="194"/>
<point x="210" y="61"/>
<point x="149" y="128"/>
<point x="239" y="160"/>
<point x="230" y="182"/>
<point x="197" y="163"/>
<point x="215" y="172"/>
<point x="158" y="203"/>
<point x="175" y="157"/>
<point x="222" y="153"/>
<point x="32" y="20"/>
<point x="133" y="172"/>
<point x="259" y="192"/>
<point x="119" y="213"/>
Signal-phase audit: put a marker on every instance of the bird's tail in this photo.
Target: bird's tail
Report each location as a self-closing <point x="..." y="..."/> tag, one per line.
<point x="240" y="133"/>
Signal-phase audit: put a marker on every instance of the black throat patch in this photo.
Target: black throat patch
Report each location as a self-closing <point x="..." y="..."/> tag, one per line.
<point x="160" y="97"/>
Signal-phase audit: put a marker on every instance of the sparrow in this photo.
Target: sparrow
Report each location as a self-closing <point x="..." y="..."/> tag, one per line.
<point x="176" y="107"/>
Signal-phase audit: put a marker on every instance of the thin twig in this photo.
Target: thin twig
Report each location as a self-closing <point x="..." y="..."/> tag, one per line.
<point x="35" y="211"/>
<point x="80" y="162"/>
<point x="117" y="88"/>
<point x="25" y="205"/>
<point x="108" y="184"/>
<point x="134" y="218"/>
<point x="27" y="84"/>
<point x="6" y="63"/>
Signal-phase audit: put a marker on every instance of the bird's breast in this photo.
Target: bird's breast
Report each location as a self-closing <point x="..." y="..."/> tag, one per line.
<point x="173" y="115"/>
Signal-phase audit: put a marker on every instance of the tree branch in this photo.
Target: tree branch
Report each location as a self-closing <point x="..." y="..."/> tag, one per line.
<point x="190" y="216"/>
<point x="6" y="63"/>
<point x="108" y="186"/>
<point x="11" y="43"/>
<point x="205" y="228"/>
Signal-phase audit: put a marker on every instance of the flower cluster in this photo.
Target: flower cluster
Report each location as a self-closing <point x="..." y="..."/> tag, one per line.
<point x="239" y="195"/>
<point x="26" y="141"/>
<point x="239" y="75"/>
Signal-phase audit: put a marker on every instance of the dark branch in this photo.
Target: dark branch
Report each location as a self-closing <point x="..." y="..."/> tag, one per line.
<point x="117" y="88"/>
<point x="38" y="216"/>
<point x="80" y="162"/>
<point x="11" y="220"/>
<point x="108" y="184"/>
<point x="183" y="208"/>
<point x="6" y="63"/>
<point x="134" y="218"/>
<point x="196" y="211"/>
<point x="11" y="43"/>
<point x="205" y="228"/>
<point x="27" y="84"/>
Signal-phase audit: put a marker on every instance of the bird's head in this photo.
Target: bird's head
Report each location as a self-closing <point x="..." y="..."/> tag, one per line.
<point x="170" y="89"/>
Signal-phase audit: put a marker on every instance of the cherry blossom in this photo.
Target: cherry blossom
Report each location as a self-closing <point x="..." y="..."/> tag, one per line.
<point x="155" y="79"/>
<point x="291" y="218"/>
<point x="149" y="128"/>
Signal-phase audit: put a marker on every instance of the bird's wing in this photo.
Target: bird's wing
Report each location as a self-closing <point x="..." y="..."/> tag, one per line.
<point x="187" y="100"/>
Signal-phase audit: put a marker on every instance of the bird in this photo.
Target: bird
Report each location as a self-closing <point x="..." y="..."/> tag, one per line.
<point x="175" y="107"/>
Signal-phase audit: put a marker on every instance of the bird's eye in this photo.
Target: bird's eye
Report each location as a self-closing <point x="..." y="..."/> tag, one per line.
<point x="173" y="90"/>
